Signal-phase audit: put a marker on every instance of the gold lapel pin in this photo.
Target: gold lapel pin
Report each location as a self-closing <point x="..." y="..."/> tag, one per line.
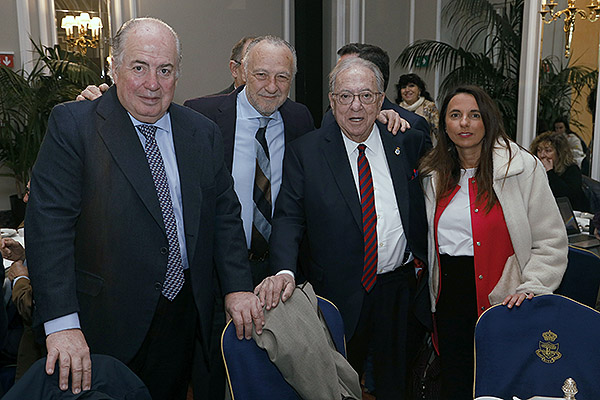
<point x="397" y="151"/>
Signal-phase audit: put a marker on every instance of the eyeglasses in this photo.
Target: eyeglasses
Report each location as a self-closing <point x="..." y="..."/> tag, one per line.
<point x="365" y="97"/>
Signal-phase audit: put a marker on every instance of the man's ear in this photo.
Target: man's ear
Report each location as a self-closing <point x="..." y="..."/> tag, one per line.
<point x="233" y="67"/>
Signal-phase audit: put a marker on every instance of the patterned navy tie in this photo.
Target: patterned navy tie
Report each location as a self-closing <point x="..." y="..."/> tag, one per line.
<point x="174" y="277"/>
<point x="369" y="217"/>
<point x="263" y="205"/>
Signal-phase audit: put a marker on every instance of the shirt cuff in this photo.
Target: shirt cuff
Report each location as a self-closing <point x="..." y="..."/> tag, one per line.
<point x="70" y="321"/>
<point x="286" y="271"/>
<point x="17" y="278"/>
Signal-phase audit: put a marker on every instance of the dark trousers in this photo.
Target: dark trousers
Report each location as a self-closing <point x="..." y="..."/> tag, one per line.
<point x="455" y="317"/>
<point x="164" y="361"/>
<point x="387" y="325"/>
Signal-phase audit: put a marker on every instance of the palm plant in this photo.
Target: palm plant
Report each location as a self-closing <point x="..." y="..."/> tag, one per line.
<point x="26" y="100"/>
<point x="560" y="85"/>
<point x="487" y="51"/>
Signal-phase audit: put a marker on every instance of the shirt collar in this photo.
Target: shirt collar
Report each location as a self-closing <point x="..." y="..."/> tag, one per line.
<point x="164" y="123"/>
<point x="371" y="142"/>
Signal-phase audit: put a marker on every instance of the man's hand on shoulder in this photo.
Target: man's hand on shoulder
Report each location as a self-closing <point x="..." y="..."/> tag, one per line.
<point x="73" y="354"/>
<point x="272" y="287"/>
<point x="393" y="120"/>
<point x="92" y="92"/>
<point x="244" y="308"/>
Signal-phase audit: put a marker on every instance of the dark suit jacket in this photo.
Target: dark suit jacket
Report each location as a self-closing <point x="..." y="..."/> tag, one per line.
<point x="227" y="90"/>
<point x="318" y="200"/>
<point x="96" y="242"/>
<point x="416" y="121"/>
<point x="297" y="120"/>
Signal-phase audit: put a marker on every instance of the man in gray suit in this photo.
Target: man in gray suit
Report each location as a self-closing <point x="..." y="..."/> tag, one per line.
<point x="132" y="209"/>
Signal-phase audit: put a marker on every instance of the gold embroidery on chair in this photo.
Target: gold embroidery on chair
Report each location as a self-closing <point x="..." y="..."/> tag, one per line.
<point x="548" y="350"/>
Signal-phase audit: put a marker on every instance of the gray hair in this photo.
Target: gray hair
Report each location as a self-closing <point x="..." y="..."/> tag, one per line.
<point x="118" y="44"/>
<point x="353" y="62"/>
<point x="275" y="41"/>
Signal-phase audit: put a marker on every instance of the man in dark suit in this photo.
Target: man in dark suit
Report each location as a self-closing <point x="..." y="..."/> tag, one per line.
<point x="381" y="59"/>
<point x="237" y="116"/>
<point x="363" y="235"/>
<point x="132" y="208"/>
<point x="269" y="66"/>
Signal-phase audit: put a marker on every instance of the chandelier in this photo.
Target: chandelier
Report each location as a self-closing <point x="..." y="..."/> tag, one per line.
<point x="570" y="15"/>
<point x="82" y="32"/>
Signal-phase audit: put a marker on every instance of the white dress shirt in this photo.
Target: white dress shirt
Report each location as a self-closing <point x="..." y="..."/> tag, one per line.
<point x="454" y="233"/>
<point x="391" y="239"/>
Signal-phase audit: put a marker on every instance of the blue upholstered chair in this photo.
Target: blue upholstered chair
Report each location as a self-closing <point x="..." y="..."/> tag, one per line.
<point x="531" y="350"/>
<point x="582" y="278"/>
<point x="250" y="372"/>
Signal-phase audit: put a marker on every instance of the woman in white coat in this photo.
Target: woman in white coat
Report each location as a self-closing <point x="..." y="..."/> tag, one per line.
<point x="495" y="232"/>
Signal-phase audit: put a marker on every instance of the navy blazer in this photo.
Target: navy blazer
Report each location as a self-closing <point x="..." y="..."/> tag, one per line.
<point x="297" y="119"/>
<point x="318" y="202"/>
<point x="96" y="241"/>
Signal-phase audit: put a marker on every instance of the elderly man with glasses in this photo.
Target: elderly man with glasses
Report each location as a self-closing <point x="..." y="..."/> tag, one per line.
<point x="351" y="194"/>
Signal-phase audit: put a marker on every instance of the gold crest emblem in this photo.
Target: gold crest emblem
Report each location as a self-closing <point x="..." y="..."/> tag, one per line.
<point x="548" y="351"/>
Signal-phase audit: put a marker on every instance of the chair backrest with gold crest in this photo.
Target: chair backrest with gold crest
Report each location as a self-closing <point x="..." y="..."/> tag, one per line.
<point x="531" y="350"/>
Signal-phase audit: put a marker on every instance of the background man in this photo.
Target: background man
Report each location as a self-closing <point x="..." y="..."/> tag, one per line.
<point x="362" y="234"/>
<point x="131" y="208"/>
<point x="235" y="64"/>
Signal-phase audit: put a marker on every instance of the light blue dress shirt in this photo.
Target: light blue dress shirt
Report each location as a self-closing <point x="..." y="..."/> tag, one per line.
<point x="244" y="156"/>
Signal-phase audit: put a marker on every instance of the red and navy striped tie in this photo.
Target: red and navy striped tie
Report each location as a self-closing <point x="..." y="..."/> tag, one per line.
<point x="369" y="217"/>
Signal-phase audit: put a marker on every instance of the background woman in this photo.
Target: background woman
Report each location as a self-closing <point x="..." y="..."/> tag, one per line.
<point x="488" y="205"/>
<point x="577" y="145"/>
<point x="413" y="96"/>
<point x="564" y="175"/>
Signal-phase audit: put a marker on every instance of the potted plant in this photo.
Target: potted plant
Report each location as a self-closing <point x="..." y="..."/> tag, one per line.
<point x="26" y="100"/>
<point x="487" y="53"/>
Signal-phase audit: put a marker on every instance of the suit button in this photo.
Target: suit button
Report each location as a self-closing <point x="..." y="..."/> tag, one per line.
<point x="482" y="308"/>
<point x="157" y="285"/>
<point x="480" y="276"/>
<point x="164" y="250"/>
<point x="477" y="210"/>
<point x="478" y="244"/>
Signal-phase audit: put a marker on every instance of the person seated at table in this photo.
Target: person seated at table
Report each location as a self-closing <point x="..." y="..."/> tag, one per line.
<point x="22" y="296"/>
<point x="576" y="143"/>
<point x="563" y="173"/>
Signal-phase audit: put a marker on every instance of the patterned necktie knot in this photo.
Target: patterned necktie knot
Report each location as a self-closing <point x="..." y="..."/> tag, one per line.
<point x="149" y="131"/>
<point x="361" y="148"/>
